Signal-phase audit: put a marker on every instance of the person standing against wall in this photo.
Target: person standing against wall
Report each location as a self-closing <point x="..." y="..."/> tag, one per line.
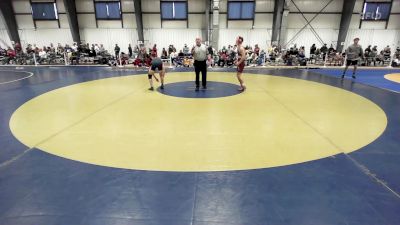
<point x="116" y="50"/>
<point x="324" y="50"/>
<point x="199" y="52"/>
<point x="154" y="51"/>
<point x="130" y="51"/>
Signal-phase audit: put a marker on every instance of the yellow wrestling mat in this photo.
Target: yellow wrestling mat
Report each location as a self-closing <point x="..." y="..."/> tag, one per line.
<point x="395" y="77"/>
<point x="278" y="121"/>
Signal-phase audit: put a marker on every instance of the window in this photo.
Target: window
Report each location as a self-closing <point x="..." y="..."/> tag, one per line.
<point x="243" y="10"/>
<point x="376" y="11"/>
<point x="44" y="11"/>
<point x="174" y="10"/>
<point x="108" y="10"/>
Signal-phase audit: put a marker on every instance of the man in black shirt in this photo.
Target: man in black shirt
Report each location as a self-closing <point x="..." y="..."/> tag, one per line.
<point x="368" y="50"/>
<point x="170" y="49"/>
<point x="324" y="50"/>
<point x="130" y="51"/>
<point x="210" y="50"/>
<point x="116" y="50"/>
<point x="312" y="49"/>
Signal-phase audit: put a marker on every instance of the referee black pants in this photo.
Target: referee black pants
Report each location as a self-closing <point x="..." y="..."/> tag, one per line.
<point x="201" y="66"/>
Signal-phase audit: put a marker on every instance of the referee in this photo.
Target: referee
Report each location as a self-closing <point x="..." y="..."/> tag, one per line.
<point x="199" y="53"/>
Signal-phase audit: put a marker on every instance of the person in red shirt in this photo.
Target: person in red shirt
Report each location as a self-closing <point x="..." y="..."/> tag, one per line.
<point x="222" y="59"/>
<point x="18" y="48"/>
<point x="257" y="50"/>
<point x="154" y="51"/>
<point x="147" y="61"/>
<point x="11" y="53"/>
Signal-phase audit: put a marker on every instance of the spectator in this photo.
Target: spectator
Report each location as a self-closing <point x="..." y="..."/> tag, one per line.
<point x="324" y="50"/>
<point x="312" y="50"/>
<point x="312" y="53"/>
<point x="302" y="52"/>
<point x="396" y="58"/>
<point x="185" y="50"/>
<point x="170" y="49"/>
<point x="294" y="54"/>
<point x="101" y="48"/>
<point x="230" y="55"/>
<point x="222" y="58"/>
<point x="74" y="46"/>
<point x="154" y="51"/>
<point x="11" y="53"/>
<point x="295" y="49"/>
<point x="368" y="50"/>
<point x="93" y="52"/>
<point x="52" y="48"/>
<point x="186" y="61"/>
<point x="224" y="49"/>
<point x="173" y="56"/>
<point x="318" y="51"/>
<point x="3" y="52"/>
<point x="229" y="51"/>
<point x="42" y="56"/>
<point x="116" y="50"/>
<point x="74" y="58"/>
<point x="181" y="54"/>
<point x="397" y="53"/>
<point x="261" y="58"/>
<point x="147" y="60"/>
<point x="257" y="50"/>
<point x="96" y="48"/>
<point x="142" y="54"/>
<point x="387" y="52"/>
<point x="374" y="54"/>
<point x="136" y="51"/>
<point x="60" y="49"/>
<point x="18" y="48"/>
<point x="164" y="54"/>
<point x="29" y="49"/>
<point x="210" y="61"/>
<point x="380" y="58"/>
<point x="210" y="50"/>
<point x="130" y="51"/>
<point x="331" y="49"/>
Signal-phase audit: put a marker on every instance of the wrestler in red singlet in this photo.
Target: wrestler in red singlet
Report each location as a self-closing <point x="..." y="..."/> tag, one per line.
<point x="240" y="63"/>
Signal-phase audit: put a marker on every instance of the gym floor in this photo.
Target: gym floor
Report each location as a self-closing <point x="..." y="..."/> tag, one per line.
<point x="91" y="145"/>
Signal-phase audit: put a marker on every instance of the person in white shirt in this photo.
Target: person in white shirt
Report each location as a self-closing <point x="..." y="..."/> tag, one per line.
<point x="101" y="48"/>
<point x="173" y="56"/>
<point x="186" y="50"/>
<point x="42" y="55"/>
<point x="96" y="48"/>
<point x="75" y="47"/>
<point x="199" y="52"/>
